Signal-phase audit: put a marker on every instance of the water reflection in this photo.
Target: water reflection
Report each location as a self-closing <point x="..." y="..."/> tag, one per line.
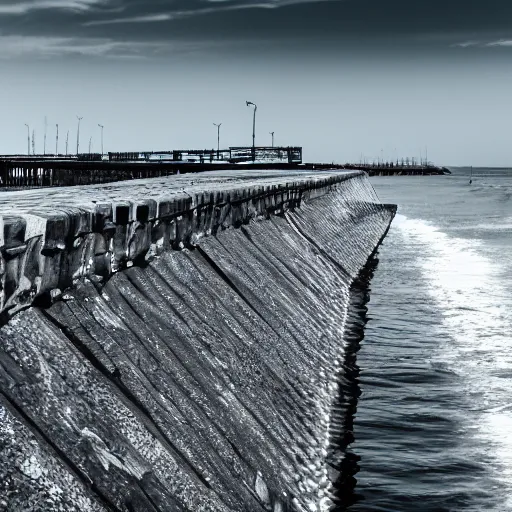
<point x="342" y="461"/>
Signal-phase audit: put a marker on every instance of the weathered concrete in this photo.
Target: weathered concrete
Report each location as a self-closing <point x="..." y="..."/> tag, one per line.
<point x="48" y="239"/>
<point x="203" y="380"/>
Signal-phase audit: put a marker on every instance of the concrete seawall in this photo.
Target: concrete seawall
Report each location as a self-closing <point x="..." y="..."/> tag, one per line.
<point x="47" y="240"/>
<point x="175" y="343"/>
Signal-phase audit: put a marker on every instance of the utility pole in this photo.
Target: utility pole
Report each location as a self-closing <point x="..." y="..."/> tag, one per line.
<point x="101" y="126"/>
<point x="33" y="142"/>
<point x="218" y="139"/>
<point x="78" y="135"/>
<point x="57" y="140"/>
<point x="272" y="133"/>
<point x="67" y="140"/>
<point x="248" y="103"/>
<point x="45" y="130"/>
<point x="28" y="139"/>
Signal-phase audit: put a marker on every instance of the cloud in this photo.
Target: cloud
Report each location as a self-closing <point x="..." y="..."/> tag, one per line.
<point x="196" y="8"/>
<point x="13" y="47"/>
<point x="501" y="42"/>
<point x="466" y="44"/>
<point x="480" y="44"/>
<point x="20" y="8"/>
<point x="149" y="18"/>
<point x="16" y="46"/>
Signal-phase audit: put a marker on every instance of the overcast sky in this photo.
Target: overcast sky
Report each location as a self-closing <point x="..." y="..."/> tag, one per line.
<point x="342" y="78"/>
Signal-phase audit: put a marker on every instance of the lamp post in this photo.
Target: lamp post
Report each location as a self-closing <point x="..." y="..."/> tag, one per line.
<point x="57" y="140"/>
<point x="272" y="133"/>
<point x="218" y="138"/>
<point x="45" y="129"/>
<point x="78" y="135"/>
<point x="101" y="126"/>
<point x="248" y="103"/>
<point x="28" y="139"/>
<point x="67" y="140"/>
<point x="90" y="144"/>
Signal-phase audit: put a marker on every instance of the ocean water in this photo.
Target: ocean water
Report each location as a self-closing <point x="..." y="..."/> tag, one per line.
<point x="432" y="430"/>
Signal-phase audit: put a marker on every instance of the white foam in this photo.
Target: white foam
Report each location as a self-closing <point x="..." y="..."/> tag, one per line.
<point x="477" y="316"/>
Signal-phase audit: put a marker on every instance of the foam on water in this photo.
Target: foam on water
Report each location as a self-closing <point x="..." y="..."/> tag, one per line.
<point x="504" y="225"/>
<point x="477" y="315"/>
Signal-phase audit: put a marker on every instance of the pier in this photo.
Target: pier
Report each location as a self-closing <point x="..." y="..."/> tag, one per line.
<point x="387" y="169"/>
<point x="22" y="171"/>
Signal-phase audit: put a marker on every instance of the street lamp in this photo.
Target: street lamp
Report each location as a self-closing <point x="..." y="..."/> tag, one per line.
<point x="101" y="126"/>
<point x="57" y="140"/>
<point x="90" y="143"/>
<point x="248" y="103"/>
<point x="272" y="133"/>
<point x="78" y="135"/>
<point x="218" y="138"/>
<point x="45" y="129"/>
<point x="28" y="139"/>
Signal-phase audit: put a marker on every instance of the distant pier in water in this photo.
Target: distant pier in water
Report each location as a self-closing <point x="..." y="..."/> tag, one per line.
<point x="389" y="169"/>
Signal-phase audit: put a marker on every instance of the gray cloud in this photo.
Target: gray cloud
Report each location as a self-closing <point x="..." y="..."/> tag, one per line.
<point x="26" y="7"/>
<point x="48" y="47"/>
<point x="500" y="43"/>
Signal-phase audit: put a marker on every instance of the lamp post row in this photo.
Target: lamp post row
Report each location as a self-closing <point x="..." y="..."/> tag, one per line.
<point x="57" y="138"/>
<point x="218" y="125"/>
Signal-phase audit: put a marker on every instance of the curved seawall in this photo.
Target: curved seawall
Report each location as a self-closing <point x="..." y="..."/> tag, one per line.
<point x="177" y="343"/>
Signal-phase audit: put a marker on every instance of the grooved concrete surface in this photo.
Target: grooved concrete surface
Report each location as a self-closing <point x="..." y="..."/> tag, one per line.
<point x="51" y="199"/>
<point x="50" y="238"/>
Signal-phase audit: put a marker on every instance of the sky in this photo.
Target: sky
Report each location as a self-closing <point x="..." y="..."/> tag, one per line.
<point x="345" y="79"/>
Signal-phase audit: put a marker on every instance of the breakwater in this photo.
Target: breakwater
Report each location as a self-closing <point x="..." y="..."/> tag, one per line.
<point x="177" y="343"/>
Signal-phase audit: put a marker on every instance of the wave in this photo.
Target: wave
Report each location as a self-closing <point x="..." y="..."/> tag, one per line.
<point x="505" y="225"/>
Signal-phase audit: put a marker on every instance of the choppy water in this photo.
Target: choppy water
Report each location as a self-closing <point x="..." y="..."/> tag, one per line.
<point x="433" y="427"/>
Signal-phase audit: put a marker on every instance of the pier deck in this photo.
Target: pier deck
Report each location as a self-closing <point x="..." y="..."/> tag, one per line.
<point x="18" y="173"/>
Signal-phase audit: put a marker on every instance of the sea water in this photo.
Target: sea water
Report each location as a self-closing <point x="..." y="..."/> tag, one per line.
<point x="433" y="427"/>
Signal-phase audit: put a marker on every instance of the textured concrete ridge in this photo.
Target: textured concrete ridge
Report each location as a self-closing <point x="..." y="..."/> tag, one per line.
<point x="49" y="238"/>
<point x="202" y="380"/>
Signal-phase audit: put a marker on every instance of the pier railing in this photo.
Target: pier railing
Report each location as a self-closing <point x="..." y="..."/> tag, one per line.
<point x="231" y="155"/>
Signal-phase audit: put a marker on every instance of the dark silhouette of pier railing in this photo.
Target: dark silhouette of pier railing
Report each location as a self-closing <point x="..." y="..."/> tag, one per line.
<point x="398" y="169"/>
<point x="37" y="158"/>
<point x="232" y="155"/>
<point x="22" y="171"/>
<point x="383" y="169"/>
